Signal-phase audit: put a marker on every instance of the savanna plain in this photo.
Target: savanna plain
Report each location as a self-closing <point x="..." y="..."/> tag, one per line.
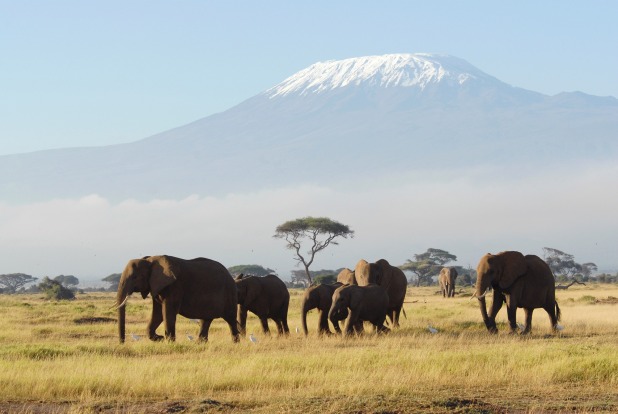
<point x="64" y="357"/>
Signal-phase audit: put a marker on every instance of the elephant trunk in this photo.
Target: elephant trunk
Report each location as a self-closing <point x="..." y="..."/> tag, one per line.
<point x="125" y="288"/>
<point x="306" y="307"/>
<point x="481" y="291"/>
<point x="336" y="314"/>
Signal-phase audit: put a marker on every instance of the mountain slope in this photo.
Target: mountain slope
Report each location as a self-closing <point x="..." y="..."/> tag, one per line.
<point x="335" y="120"/>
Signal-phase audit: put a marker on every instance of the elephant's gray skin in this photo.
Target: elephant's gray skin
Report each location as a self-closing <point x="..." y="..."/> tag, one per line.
<point x="391" y="278"/>
<point x="320" y="297"/>
<point x="346" y="276"/>
<point x="266" y="297"/>
<point x="520" y="281"/>
<point x="365" y="303"/>
<point x="198" y="289"/>
<point x="447" y="278"/>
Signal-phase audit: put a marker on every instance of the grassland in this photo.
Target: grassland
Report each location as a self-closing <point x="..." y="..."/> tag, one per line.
<point x="58" y="357"/>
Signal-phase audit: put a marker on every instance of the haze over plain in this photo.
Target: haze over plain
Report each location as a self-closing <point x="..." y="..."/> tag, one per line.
<point x="404" y="179"/>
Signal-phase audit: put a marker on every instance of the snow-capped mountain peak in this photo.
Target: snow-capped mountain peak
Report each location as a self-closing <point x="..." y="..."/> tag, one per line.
<point x="393" y="70"/>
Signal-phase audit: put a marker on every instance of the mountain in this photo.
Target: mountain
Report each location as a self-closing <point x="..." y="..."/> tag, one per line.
<point x="331" y="122"/>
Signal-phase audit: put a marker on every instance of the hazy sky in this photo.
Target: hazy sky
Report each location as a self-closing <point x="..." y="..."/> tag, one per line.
<point x="83" y="73"/>
<point x="78" y="73"/>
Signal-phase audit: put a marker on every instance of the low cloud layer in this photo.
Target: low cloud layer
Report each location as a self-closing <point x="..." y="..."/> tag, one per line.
<point x="467" y="213"/>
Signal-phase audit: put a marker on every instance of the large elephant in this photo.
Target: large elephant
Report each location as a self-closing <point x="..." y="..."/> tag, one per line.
<point x="520" y="281"/>
<point x="198" y="289"/>
<point x="365" y="303"/>
<point x="391" y="278"/>
<point x="266" y="297"/>
<point x="447" y="278"/>
<point x="320" y="297"/>
<point x="346" y="276"/>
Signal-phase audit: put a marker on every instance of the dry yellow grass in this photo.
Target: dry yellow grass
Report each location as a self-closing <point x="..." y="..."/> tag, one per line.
<point x="48" y="359"/>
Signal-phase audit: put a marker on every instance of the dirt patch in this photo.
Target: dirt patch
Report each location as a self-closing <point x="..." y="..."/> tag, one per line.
<point x="93" y="320"/>
<point x="467" y="406"/>
<point x="165" y="407"/>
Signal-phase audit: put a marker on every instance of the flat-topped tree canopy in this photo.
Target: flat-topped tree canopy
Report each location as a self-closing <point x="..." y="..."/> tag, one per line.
<point x="320" y="232"/>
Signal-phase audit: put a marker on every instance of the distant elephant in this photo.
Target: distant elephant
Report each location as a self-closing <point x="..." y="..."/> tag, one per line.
<point x="365" y="303"/>
<point x="520" y="281"/>
<point x="320" y="297"/>
<point x="447" y="281"/>
<point x="266" y="297"/>
<point x="346" y="276"/>
<point x="198" y="289"/>
<point x="391" y="278"/>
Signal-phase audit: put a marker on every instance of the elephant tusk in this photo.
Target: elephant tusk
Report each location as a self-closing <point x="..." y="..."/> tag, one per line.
<point x="121" y="305"/>
<point x="479" y="297"/>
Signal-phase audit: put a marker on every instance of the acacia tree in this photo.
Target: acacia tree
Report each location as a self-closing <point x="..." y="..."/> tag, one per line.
<point x="427" y="265"/>
<point x="319" y="231"/>
<point x="14" y="281"/>
<point x="68" y="281"/>
<point x="255" y="270"/>
<point x="564" y="266"/>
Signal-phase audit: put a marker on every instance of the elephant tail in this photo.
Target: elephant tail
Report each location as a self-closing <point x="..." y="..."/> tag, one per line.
<point x="558" y="312"/>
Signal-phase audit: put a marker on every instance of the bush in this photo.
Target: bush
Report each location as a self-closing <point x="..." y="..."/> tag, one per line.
<point x="54" y="290"/>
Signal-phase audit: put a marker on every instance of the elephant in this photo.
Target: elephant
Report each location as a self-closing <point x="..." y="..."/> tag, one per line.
<point x="346" y="276"/>
<point x="266" y="297"/>
<point x="197" y="288"/>
<point x="320" y="297"/>
<point x="391" y="278"/>
<point x="365" y="303"/>
<point x="447" y="281"/>
<point x="522" y="282"/>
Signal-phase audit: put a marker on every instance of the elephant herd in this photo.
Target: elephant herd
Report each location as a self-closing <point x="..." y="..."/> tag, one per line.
<point x="203" y="289"/>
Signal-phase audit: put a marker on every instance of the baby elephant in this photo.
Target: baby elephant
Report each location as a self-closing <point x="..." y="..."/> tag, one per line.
<point x="266" y="297"/>
<point x="365" y="303"/>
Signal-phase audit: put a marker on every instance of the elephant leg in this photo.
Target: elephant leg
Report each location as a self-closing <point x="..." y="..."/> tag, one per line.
<point x="551" y="311"/>
<point x="155" y="320"/>
<point x="170" y="311"/>
<point x="204" y="327"/>
<point x="496" y="305"/>
<point x="512" y="315"/>
<point x="381" y="329"/>
<point x="284" y="325"/>
<point x="264" y="322"/>
<point x="279" y="326"/>
<point x="323" y="323"/>
<point x="351" y="323"/>
<point x="395" y="318"/>
<point x="242" y="319"/>
<point x="528" y="327"/>
<point x="234" y="326"/>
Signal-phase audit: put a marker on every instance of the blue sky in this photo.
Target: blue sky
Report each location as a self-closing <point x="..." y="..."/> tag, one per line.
<point x="78" y="73"/>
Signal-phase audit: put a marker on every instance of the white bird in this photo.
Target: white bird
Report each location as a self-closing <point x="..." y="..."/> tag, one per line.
<point x="253" y="338"/>
<point x="432" y="329"/>
<point x="297" y="329"/>
<point x="190" y="337"/>
<point x="135" y="337"/>
<point x="559" y="327"/>
<point x="521" y="326"/>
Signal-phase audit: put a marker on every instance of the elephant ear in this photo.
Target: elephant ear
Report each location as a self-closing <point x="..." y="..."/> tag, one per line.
<point x="162" y="274"/>
<point x="355" y="298"/>
<point x="383" y="270"/>
<point x="513" y="266"/>
<point x="253" y="289"/>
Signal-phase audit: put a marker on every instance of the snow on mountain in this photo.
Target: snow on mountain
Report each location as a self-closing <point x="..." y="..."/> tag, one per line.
<point x="389" y="114"/>
<point x="403" y="70"/>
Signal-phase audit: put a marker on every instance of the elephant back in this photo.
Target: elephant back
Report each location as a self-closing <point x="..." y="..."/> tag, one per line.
<point x="347" y="277"/>
<point x="365" y="273"/>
